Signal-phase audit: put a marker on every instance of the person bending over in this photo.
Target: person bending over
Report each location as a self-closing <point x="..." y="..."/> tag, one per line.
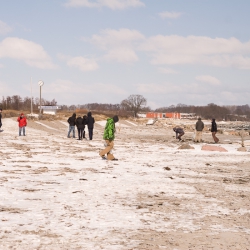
<point x="179" y="132"/>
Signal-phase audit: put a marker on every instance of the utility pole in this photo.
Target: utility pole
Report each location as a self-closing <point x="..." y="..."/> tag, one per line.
<point x="40" y="83"/>
<point x="31" y="101"/>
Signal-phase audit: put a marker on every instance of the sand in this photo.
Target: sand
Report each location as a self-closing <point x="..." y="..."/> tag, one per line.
<point x="56" y="192"/>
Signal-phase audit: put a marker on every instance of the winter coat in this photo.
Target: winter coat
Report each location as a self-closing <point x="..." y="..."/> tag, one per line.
<point x="214" y="126"/>
<point x="109" y="131"/>
<point x="22" y="122"/>
<point x="90" y="121"/>
<point x="79" y="123"/>
<point x="178" y="130"/>
<point x="199" y="125"/>
<point x="72" y="120"/>
<point x="84" y="120"/>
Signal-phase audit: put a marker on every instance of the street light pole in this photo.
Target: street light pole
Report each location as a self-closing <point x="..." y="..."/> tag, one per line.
<point x="40" y="83"/>
<point x="31" y="101"/>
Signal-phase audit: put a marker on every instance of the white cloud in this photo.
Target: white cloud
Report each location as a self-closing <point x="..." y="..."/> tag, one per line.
<point x="107" y="88"/>
<point x="116" y="38"/>
<point x="69" y="92"/>
<point x="63" y="87"/>
<point x="4" y="28"/>
<point x="219" y="52"/>
<point x="122" y="55"/>
<point x="170" y="15"/>
<point x="167" y="71"/>
<point x="31" y="53"/>
<point x="5" y="90"/>
<point x="208" y="79"/>
<point x="119" y="45"/>
<point x="112" y="4"/>
<point x="122" y="46"/>
<point x="84" y="64"/>
<point x="154" y="88"/>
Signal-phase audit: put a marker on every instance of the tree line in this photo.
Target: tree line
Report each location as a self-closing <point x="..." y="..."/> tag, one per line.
<point x="15" y="102"/>
<point x="211" y="110"/>
<point x="133" y="105"/>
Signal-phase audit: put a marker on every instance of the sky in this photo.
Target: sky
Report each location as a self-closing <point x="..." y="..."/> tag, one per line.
<point x="191" y="52"/>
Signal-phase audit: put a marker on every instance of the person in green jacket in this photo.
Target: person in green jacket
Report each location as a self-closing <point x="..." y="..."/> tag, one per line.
<point x="109" y="136"/>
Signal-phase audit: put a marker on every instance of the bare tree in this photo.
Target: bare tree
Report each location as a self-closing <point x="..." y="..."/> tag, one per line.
<point x="134" y="103"/>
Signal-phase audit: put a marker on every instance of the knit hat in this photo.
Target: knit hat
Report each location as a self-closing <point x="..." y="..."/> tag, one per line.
<point x="115" y="118"/>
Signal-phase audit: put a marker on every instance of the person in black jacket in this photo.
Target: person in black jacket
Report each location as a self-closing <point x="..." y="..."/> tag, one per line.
<point x="80" y="127"/>
<point x="179" y="133"/>
<point x="214" y="130"/>
<point x="84" y="118"/>
<point x="90" y="122"/>
<point x="72" y="123"/>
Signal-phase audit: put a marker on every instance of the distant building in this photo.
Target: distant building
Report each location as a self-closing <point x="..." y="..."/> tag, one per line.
<point x="188" y="115"/>
<point x="50" y="110"/>
<point x="163" y="115"/>
<point x="140" y="115"/>
<point x="173" y="115"/>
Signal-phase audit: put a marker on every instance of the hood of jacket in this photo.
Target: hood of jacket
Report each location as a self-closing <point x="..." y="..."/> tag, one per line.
<point x="116" y="118"/>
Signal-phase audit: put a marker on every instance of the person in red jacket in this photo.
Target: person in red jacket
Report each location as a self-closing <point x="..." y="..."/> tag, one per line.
<point x="22" y="124"/>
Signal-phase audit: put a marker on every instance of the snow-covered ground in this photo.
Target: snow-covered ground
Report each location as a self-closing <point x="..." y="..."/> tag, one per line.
<point x="57" y="193"/>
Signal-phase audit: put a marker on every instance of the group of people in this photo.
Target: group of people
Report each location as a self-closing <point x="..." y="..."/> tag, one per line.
<point x="80" y="123"/>
<point x="199" y="126"/>
<point x="109" y="132"/>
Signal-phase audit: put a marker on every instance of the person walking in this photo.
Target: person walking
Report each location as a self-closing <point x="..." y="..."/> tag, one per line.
<point x="199" y="128"/>
<point x="0" y="118"/>
<point x="109" y="136"/>
<point x="22" y="123"/>
<point x="80" y="127"/>
<point x="90" y="122"/>
<point x="72" y="123"/>
<point x="84" y="118"/>
<point x="179" y="132"/>
<point x="214" y="131"/>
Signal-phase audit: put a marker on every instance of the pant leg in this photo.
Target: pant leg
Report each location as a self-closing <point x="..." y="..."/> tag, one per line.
<point x="198" y="136"/>
<point x="73" y="128"/>
<point x="83" y="135"/>
<point x="90" y="133"/>
<point x="81" y="132"/>
<point x="24" y="130"/>
<point x="70" y="128"/>
<point x="110" y="145"/>
<point x="214" y="137"/>
<point x="180" y="135"/>
<point x="20" y="130"/>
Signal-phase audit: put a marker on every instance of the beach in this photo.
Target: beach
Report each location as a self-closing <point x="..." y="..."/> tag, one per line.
<point x="57" y="192"/>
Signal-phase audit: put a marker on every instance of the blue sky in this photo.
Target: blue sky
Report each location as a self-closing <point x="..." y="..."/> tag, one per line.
<point x="170" y="51"/>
